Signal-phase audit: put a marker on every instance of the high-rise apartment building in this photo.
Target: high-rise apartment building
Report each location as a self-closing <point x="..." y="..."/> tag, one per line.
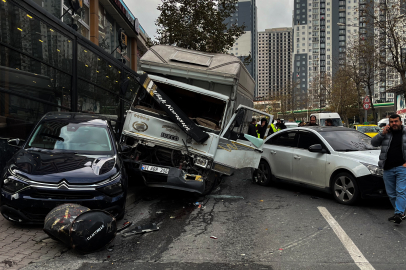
<point x="323" y="31"/>
<point x="246" y="45"/>
<point x="274" y="62"/>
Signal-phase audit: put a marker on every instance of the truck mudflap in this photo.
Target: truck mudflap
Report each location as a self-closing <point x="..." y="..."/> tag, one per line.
<point x="173" y="111"/>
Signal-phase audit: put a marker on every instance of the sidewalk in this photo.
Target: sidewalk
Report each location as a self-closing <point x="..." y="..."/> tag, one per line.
<point x="21" y="245"/>
<point x="19" y="248"/>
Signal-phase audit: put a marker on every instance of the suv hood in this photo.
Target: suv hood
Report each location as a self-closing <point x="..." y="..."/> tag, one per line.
<point x="370" y="157"/>
<point x="52" y="167"/>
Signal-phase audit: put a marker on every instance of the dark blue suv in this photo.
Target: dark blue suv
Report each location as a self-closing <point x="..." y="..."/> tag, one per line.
<point x="68" y="158"/>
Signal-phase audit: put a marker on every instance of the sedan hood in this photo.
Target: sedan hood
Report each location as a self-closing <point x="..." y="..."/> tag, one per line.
<point x="370" y="157"/>
<point x="50" y="167"/>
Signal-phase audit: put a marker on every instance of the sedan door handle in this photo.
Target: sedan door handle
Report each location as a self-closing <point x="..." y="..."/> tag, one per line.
<point x="296" y="157"/>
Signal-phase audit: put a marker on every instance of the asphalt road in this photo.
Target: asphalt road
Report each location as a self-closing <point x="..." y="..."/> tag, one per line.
<point x="256" y="227"/>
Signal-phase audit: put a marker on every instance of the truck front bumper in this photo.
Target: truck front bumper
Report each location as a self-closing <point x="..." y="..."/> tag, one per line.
<point x="175" y="178"/>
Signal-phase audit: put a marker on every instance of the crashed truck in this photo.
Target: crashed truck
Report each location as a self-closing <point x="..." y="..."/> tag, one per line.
<point x="188" y="124"/>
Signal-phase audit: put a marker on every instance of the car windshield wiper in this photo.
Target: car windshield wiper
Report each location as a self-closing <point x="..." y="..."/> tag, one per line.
<point x="53" y="137"/>
<point x="347" y="150"/>
<point x="38" y="149"/>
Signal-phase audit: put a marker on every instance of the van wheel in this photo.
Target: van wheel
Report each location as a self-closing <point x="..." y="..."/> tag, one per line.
<point x="345" y="188"/>
<point x="263" y="175"/>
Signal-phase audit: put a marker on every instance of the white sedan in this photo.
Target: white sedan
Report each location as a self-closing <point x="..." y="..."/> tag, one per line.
<point x="338" y="160"/>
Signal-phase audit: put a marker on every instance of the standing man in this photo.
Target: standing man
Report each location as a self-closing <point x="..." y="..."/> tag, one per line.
<point x="252" y="128"/>
<point x="328" y="122"/>
<point x="392" y="161"/>
<point x="263" y="127"/>
<point x="312" y="121"/>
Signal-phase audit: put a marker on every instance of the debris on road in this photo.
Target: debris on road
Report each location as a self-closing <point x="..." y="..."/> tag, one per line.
<point x="142" y="229"/>
<point x="224" y="197"/>
<point x="125" y="226"/>
<point x="79" y="227"/>
<point x="213" y="237"/>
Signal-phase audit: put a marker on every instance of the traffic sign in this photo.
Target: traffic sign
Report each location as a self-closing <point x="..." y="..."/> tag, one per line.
<point x="367" y="106"/>
<point x="367" y="100"/>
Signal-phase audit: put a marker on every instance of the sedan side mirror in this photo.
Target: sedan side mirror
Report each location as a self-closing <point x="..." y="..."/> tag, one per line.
<point x="317" y="148"/>
<point x="15" y="142"/>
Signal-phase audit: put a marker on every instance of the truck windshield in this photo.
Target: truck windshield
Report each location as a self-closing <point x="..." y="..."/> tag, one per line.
<point x="204" y="110"/>
<point x="72" y="137"/>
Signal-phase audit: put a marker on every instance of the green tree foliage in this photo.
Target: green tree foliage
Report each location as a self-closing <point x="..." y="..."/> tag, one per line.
<point x="198" y="24"/>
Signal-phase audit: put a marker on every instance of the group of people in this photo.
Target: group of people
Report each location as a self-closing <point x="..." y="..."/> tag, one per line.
<point x="258" y="130"/>
<point x="313" y="122"/>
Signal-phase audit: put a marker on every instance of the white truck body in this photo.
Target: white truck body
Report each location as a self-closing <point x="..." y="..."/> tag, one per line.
<point x="215" y="94"/>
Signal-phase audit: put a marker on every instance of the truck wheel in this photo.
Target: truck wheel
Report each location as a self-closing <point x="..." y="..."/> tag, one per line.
<point x="263" y="175"/>
<point x="209" y="183"/>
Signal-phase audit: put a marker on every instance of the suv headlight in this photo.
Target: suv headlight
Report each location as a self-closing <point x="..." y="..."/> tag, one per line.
<point x="13" y="186"/>
<point x="112" y="190"/>
<point x="375" y="170"/>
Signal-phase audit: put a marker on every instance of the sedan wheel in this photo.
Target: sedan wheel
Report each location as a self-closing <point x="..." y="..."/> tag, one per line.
<point x="263" y="174"/>
<point x="345" y="189"/>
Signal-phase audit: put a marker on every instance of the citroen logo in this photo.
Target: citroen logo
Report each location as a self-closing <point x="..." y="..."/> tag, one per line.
<point x="63" y="185"/>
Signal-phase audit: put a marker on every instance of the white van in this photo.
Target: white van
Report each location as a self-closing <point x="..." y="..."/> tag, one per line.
<point x="322" y="117"/>
<point x="385" y="121"/>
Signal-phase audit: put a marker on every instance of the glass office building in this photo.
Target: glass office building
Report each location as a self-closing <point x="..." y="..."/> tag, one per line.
<point x="46" y="66"/>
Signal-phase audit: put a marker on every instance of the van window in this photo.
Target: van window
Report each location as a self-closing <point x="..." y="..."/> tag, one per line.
<point x="336" y="122"/>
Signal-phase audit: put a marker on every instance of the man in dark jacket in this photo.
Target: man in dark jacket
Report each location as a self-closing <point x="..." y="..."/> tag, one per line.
<point x="392" y="161"/>
<point x="263" y="127"/>
<point x="252" y="128"/>
<point x="312" y="121"/>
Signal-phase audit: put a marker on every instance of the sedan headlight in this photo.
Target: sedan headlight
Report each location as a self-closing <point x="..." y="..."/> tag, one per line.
<point x="113" y="189"/>
<point x="375" y="170"/>
<point x="13" y="186"/>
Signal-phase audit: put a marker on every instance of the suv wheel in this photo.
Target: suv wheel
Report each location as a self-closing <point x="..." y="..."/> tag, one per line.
<point x="345" y="188"/>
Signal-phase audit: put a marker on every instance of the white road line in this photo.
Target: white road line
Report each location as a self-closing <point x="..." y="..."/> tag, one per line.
<point x="355" y="253"/>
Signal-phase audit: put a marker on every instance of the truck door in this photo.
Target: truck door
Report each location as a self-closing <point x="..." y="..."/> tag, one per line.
<point x="234" y="150"/>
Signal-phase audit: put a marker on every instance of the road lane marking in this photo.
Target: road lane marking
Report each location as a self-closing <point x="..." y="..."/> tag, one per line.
<point x="355" y="253"/>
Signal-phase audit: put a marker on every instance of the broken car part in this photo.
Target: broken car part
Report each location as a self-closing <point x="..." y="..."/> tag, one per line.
<point x="79" y="227"/>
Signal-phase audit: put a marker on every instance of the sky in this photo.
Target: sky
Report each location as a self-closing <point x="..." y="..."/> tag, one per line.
<point x="271" y="13"/>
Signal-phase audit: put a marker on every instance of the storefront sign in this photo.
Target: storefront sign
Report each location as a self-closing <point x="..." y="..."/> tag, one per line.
<point x="127" y="13"/>
<point x="400" y="104"/>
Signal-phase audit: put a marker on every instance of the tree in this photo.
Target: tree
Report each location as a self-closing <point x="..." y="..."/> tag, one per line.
<point x="344" y="97"/>
<point x="319" y="91"/>
<point x="362" y="67"/>
<point x="198" y="24"/>
<point x="389" y="22"/>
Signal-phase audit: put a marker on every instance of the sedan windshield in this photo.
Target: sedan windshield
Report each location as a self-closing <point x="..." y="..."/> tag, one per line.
<point x="348" y="140"/>
<point x="368" y="129"/>
<point x="72" y="137"/>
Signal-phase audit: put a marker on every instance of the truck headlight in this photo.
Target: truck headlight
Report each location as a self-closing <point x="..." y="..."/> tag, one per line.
<point x="201" y="162"/>
<point x="13" y="186"/>
<point x="375" y="170"/>
<point x="113" y="189"/>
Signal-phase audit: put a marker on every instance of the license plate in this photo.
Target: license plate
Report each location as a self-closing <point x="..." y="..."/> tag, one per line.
<point x="154" y="169"/>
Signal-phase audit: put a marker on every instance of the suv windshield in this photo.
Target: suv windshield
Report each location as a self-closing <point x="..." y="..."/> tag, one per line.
<point x="348" y="140"/>
<point x="72" y="137"/>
